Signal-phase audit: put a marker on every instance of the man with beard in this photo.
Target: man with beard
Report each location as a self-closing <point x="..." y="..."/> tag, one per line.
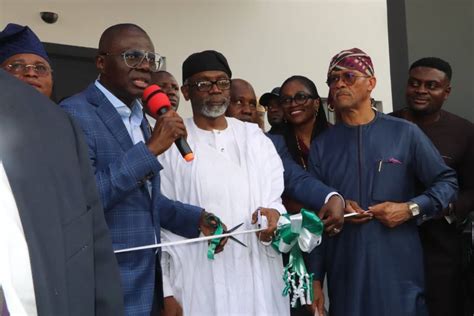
<point x="375" y="265"/>
<point x="169" y="85"/>
<point x="123" y="151"/>
<point x="243" y="102"/>
<point x="235" y="171"/>
<point x="428" y="87"/>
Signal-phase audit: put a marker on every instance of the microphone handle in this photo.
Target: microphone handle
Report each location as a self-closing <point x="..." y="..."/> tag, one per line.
<point x="181" y="142"/>
<point x="184" y="149"/>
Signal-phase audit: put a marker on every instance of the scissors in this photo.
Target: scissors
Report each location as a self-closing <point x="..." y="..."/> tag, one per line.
<point x="232" y="237"/>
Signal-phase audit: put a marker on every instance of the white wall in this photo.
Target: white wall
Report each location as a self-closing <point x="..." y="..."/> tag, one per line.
<point x="264" y="41"/>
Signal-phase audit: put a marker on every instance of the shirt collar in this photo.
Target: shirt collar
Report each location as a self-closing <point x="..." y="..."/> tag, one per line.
<point x="134" y="115"/>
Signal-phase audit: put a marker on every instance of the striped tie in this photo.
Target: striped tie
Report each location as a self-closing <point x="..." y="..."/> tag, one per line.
<point x="3" y="304"/>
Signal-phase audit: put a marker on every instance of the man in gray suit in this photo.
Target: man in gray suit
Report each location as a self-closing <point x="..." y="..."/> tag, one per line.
<point x="58" y="258"/>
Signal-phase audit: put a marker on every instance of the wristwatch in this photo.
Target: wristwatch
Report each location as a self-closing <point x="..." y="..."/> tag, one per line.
<point x="414" y="208"/>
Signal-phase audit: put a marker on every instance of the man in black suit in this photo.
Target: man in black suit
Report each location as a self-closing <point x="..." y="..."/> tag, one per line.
<point x="68" y="256"/>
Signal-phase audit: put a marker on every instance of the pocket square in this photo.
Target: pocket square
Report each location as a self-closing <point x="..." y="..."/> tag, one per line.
<point x="395" y="161"/>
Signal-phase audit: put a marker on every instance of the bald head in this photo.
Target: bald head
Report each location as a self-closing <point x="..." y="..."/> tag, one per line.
<point x="111" y="34"/>
<point x="239" y="84"/>
<point x="169" y="85"/>
<point x="243" y="101"/>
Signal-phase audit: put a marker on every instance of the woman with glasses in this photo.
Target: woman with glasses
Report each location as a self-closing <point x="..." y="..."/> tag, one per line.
<point x="23" y="56"/>
<point x="305" y="119"/>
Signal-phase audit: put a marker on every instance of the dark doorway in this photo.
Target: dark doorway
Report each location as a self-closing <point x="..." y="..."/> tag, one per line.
<point x="73" y="68"/>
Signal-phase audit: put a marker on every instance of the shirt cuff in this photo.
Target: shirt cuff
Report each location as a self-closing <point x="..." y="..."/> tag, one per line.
<point x="332" y="194"/>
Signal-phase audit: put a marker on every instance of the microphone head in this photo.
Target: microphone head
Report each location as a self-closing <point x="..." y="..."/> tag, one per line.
<point x="155" y="100"/>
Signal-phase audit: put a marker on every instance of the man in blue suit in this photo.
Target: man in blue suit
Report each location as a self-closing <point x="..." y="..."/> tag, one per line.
<point x="123" y="151"/>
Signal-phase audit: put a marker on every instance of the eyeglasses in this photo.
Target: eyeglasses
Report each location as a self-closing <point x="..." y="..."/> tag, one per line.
<point x="206" y="85"/>
<point x="349" y="78"/>
<point x="300" y="98"/>
<point x="41" y="70"/>
<point x="133" y="58"/>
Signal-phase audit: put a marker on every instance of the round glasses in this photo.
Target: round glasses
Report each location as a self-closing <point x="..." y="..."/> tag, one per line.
<point x="40" y="69"/>
<point x="206" y="85"/>
<point x="300" y="98"/>
<point x="348" y="77"/>
<point x="133" y="58"/>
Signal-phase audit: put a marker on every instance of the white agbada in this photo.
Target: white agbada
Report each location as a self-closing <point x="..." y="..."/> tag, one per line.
<point x="235" y="171"/>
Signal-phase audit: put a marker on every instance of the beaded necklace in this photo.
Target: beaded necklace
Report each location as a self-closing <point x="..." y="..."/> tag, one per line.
<point x="303" y="152"/>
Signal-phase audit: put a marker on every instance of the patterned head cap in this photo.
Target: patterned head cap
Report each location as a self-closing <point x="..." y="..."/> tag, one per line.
<point x="354" y="59"/>
<point x="16" y="39"/>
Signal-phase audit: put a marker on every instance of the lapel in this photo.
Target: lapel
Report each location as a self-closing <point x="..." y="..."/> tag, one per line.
<point x="155" y="181"/>
<point x="109" y="116"/>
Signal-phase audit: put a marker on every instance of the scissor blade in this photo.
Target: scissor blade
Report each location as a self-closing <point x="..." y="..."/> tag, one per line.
<point x="238" y="241"/>
<point x="234" y="228"/>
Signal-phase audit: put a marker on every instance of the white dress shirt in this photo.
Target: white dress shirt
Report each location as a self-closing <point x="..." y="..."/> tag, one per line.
<point x="15" y="269"/>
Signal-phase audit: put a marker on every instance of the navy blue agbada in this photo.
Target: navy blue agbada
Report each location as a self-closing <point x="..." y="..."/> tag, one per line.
<point x="374" y="270"/>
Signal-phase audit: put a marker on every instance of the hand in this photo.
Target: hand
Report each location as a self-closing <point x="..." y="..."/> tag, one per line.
<point x="353" y="207"/>
<point x="208" y="224"/>
<point x="391" y="214"/>
<point x="168" y="128"/>
<point x="332" y="215"/>
<point x="318" y="300"/>
<point x="272" y="217"/>
<point x="171" y="307"/>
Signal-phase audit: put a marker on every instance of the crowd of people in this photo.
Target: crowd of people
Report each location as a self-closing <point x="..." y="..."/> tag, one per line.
<point x="96" y="177"/>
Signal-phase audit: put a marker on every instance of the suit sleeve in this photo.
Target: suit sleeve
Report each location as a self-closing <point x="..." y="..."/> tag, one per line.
<point x="317" y="257"/>
<point x="126" y="173"/>
<point x="179" y="218"/>
<point x="108" y="292"/>
<point x="300" y="184"/>
<point x="436" y="176"/>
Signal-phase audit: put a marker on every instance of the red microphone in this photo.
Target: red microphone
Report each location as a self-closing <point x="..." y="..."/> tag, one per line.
<point x="156" y="103"/>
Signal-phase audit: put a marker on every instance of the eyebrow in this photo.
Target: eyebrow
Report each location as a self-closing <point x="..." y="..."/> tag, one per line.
<point x="19" y="59"/>
<point x="427" y="80"/>
<point x="211" y="79"/>
<point x="39" y="62"/>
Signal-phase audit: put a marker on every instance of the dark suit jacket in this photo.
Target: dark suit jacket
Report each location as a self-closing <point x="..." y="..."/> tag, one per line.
<point x="45" y="158"/>
<point x="133" y="216"/>
<point x="300" y="184"/>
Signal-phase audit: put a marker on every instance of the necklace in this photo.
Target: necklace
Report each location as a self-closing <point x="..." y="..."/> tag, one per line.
<point x="300" y="153"/>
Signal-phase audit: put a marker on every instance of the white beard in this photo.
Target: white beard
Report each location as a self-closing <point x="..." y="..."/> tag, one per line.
<point x="214" y="111"/>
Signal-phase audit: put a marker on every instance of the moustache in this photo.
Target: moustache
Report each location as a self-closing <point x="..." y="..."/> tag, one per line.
<point x="343" y="92"/>
<point x="216" y="101"/>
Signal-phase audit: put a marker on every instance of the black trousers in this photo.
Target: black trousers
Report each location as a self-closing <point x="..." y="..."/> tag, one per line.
<point x="444" y="280"/>
<point x="158" y="301"/>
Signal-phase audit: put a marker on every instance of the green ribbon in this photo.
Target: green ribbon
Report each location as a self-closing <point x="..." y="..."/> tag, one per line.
<point x="294" y="234"/>
<point x="214" y="242"/>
